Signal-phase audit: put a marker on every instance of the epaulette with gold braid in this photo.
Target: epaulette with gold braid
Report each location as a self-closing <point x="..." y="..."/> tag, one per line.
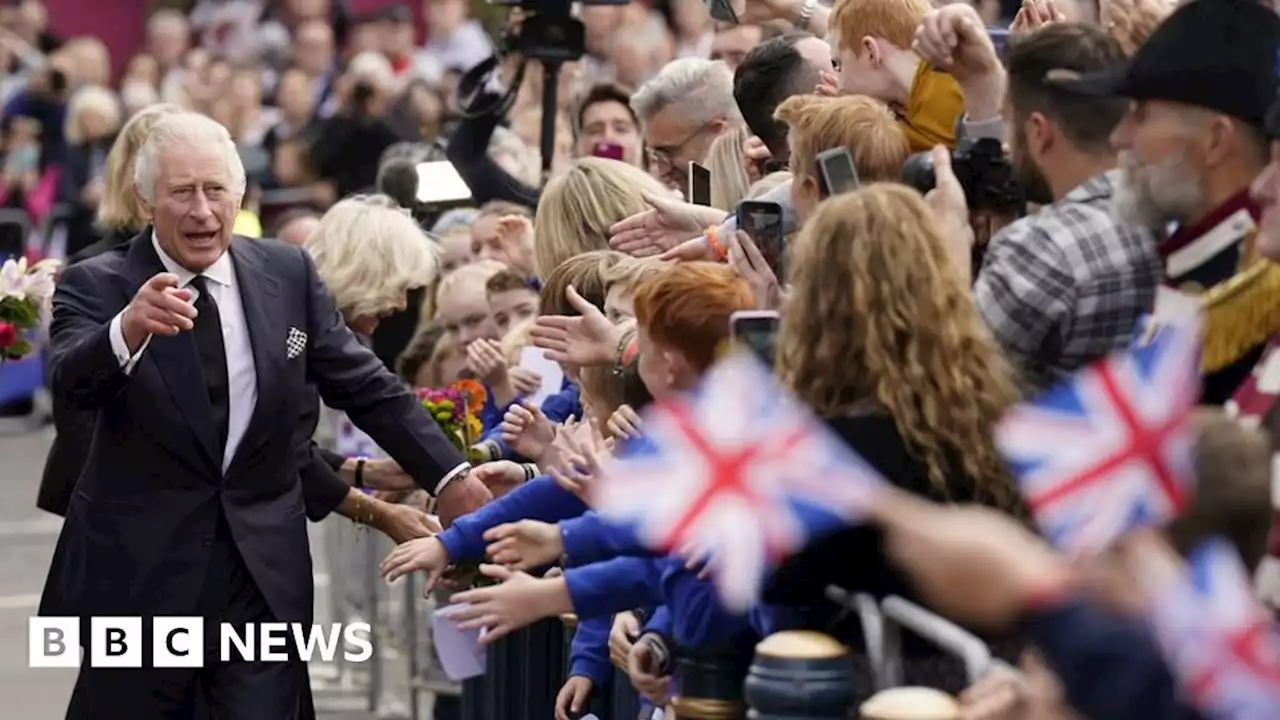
<point x="1240" y="314"/>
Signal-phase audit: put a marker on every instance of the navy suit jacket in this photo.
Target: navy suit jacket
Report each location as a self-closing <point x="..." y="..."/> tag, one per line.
<point x="143" y="516"/>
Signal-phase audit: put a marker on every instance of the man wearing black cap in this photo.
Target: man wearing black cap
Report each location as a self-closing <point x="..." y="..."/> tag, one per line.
<point x="1189" y="147"/>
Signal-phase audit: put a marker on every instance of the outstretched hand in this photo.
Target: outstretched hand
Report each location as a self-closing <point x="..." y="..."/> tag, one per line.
<point x="585" y="340"/>
<point x="502" y="609"/>
<point x="524" y="544"/>
<point x="667" y="223"/>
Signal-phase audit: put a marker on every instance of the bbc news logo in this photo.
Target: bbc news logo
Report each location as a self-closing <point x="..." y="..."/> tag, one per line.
<point x="178" y="642"/>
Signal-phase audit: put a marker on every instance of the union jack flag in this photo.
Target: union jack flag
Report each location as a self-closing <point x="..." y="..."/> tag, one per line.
<point x="1110" y="449"/>
<point x="736" y="469"/>
<point x="1220" y="644"/>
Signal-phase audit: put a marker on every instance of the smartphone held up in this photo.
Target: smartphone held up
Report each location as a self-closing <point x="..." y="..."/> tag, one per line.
<point x="762" y="222"/>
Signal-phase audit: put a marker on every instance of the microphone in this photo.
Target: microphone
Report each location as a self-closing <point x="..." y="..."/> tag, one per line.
<point x="398" y="179"/>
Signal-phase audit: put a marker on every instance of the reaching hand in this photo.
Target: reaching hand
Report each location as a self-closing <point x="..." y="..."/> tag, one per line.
<point x="970" y="563"/>
<point x="624" y="423"/>
<point x="403" y="523"/>
<point x="951" y="211"/>
<point x="524" y="381"/>
<point x="580" y="450"/>
<point x="1035" y="14"/>
<point x="1130" y="22"/>
<point x="641" y="669"/>
<point x="525" y="544"/>
<point x="486" y="362"/>
<point x="954" y="38"/>
<point x="500" y="476"/>
<point x="426" y="554"/>
<point x="573" y="697"/>
<point x="623" y="634"/>
<point x="754" y="155"/>
<point x="692" y="250"/>
<point x="664" y="225"/>
<point x="586" y="340"/>
<point x="519" y="601"/>
<point x="745" y="257"/>
<point x="527" y="430"/>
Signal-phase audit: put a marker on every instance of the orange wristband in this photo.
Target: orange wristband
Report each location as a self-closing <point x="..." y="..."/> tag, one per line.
<point x="720" y="251"/>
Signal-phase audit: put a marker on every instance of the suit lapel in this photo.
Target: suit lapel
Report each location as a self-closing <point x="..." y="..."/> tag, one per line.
<point x="175" y="358"/>
<point x="260" y="294"/>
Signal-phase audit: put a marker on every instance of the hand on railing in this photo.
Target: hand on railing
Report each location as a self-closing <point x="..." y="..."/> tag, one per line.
<point x="525" y="544"/>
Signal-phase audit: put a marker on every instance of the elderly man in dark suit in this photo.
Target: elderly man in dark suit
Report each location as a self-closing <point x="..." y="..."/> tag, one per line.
<point x="192" y="345"/>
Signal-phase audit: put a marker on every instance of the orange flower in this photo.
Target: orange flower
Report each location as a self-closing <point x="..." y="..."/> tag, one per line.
<point x="474" y="393"/>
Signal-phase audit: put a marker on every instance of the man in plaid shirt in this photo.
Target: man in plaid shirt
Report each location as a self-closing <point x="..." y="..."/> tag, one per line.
<point x="1067" y="285"/>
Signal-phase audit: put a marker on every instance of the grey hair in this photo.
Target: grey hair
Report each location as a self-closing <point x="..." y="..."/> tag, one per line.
<point x="705" y="87"/>
<point x="186" y="128"/>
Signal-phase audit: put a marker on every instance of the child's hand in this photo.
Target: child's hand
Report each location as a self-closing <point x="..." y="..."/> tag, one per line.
<point x="518" y="602"/>
<point x="624" y="423"/>
<point x="527" y="430"/>
<point x="573" y="697"/>
<point x="485" y="360"/>
<point x="524" y="381"/>
<point x="623" y="634"/>
<point x="525" y="544"/>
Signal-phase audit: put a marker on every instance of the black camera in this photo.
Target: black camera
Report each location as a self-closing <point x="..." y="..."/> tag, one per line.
<point x="984" y="171"/>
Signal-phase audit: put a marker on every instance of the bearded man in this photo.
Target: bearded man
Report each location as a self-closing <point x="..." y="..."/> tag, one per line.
<point x="1190" y="145"/>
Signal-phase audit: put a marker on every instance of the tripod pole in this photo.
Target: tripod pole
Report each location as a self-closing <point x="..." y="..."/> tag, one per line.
<point x="550" y="111"/>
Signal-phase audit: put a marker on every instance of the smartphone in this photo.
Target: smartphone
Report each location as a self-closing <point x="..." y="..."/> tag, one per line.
<point x="998" y="37"/>
<point x="699" y="185"/>
<point x="440" y="182"/>
<point x="757" y="330"/>
<point x="836" y="173"/>
<point x="762" y="222"/>
<point x="610" y="150"/>
<point x="721" y="10"/>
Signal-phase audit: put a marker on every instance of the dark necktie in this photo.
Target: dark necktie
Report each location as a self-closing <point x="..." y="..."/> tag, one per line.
<point x="213" y="359"/>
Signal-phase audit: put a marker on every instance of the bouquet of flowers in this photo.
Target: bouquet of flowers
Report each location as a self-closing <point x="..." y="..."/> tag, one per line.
<point x="456" y="410"/>
<point x="25" y="293"/>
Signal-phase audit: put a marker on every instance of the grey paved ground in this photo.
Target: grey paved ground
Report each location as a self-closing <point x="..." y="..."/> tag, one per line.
<point x="27" y="537"/>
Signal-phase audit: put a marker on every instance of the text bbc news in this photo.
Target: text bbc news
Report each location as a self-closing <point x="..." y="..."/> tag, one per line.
<point x="179" y="642"/>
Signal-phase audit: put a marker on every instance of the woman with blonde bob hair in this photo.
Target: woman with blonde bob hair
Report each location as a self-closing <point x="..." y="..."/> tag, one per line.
<point x="578" y="207"/>
<point x="880" y="338"/>
<point x="119" y="210"/>
<point x="370" y="253"/>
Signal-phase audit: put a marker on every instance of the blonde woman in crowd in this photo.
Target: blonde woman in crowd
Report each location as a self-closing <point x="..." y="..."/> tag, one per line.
<point x="578" y="207"/>
<point x="120" y="218"/>
<point x="880" y="338"/>
<point x="729" y="179"/>
<point x="370" y="253"/>
<point x="93" y="119"/>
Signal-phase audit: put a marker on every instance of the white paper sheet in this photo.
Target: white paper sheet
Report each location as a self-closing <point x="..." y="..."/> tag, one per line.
<point x="461" y="655"/>
<point x="535" y="359"/>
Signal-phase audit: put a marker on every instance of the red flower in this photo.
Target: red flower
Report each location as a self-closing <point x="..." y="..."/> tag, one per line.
<point x="8" y="333"/>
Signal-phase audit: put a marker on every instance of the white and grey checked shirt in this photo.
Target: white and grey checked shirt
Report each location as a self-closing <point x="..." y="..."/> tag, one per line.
<point x="1067" y="285"/>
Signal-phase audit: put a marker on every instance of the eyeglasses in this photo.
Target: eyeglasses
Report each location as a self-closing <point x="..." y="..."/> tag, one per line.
<point x="663" y="157"/>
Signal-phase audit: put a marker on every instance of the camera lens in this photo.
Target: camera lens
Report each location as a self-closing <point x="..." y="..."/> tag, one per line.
<point x="917" y="172"/>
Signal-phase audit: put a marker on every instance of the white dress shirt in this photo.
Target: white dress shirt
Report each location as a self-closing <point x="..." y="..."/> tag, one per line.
<point x="242" y="377"/>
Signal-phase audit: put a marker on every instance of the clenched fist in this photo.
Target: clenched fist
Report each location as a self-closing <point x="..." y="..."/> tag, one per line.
<point x="159" y="308"/>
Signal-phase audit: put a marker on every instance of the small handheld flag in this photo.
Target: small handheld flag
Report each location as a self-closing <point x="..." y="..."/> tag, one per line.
<point x="738" y="469"/>
<point x="1110" y="449"/>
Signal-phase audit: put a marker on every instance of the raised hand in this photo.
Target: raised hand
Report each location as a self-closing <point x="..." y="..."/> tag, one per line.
<point x="426" y="554"/>
<point x="486" y="362"/>
<point x="500" y="476"/>
<point x="624" y="423"/>
<point x="667" y="223"/>
<point x="519" y="601"/>
<point x="158" y="308"/>
<point x="524" y="544"/>
<point x="585" y="340"/>
<point x="527" y="430"/>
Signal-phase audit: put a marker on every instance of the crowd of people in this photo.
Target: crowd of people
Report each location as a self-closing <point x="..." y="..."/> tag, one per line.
<point x="1139" y="183"/>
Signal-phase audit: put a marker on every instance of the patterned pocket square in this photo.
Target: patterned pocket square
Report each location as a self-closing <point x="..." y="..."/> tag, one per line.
<point x="295" y="343"/>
